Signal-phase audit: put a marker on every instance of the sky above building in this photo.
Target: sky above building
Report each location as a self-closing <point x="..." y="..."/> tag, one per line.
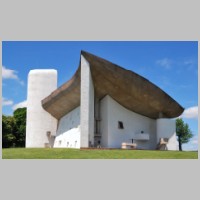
<point x="172" y="66"/>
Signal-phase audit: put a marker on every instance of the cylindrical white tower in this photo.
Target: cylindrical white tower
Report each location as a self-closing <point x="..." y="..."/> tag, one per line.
<point x="39" y="123"/>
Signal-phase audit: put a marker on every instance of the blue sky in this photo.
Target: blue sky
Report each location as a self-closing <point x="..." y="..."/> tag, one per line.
<point x="173" y="66"/>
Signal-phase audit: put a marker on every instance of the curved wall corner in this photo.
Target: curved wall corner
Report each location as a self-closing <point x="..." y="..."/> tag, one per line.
<point x="166" y="128"/>
<point x="87" y="105"/>
<point x="133" y="123"/>
<point x="39" y="122"/>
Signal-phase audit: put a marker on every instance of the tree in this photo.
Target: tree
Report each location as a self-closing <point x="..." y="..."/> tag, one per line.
<point x="14" y="129"/>
<point x="20" y="118"/>
<point x="8" y="129"/>
<point x="183" y="132"/>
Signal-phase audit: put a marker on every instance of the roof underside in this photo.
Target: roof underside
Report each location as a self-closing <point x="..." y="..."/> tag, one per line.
<point x="128" y="88"/>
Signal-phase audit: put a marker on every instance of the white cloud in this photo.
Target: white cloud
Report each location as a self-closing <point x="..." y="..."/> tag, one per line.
<point x="6" y="102"/>
<point x="194" y="142"/>
<point x="21" y="82"/>
<point x="20" y="105"/>
<point x="10" y="74"/>
<point x="188" y="62"/>
<point x="191" y="112"/>
<point x="194" y="139"/>
<point x="185" y="86"/>
<point x="192" y="145"/>
<point x="165" y="62"/>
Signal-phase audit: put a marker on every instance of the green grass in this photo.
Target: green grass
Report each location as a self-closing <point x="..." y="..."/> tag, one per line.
<point x="63" y="153"/>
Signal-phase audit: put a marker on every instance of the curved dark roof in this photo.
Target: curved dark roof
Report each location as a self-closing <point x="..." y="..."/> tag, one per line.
<point x="129" y="89"/>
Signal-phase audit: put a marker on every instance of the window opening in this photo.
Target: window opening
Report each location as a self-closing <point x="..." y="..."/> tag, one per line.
<point x="120" y="125"/>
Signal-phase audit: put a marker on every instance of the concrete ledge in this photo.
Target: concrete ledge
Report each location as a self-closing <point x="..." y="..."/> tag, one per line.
<point x="128" y="145"/>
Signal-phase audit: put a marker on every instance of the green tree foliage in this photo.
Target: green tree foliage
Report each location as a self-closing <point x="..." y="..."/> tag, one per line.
<point x="183" y="132"/>
<point x="8" y="129"/>
<point x="20" y="118"/>
<point x="14" y="129"/>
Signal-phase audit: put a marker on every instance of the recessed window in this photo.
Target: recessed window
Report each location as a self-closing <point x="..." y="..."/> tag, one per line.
<point x="120" y="125"/>
<point x="48" y="133"/>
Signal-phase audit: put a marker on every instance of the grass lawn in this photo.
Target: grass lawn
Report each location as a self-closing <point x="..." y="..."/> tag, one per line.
<point x="63" y="153"/>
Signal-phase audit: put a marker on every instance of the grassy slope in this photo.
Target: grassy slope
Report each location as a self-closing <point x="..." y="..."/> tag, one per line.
<point x="59" y="153"/>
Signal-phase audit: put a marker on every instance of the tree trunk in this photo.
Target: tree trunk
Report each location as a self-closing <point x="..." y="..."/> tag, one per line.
<point x="179" y="143"/>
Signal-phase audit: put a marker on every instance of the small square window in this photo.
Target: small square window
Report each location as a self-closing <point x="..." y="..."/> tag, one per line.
<point x="120" y="125"/>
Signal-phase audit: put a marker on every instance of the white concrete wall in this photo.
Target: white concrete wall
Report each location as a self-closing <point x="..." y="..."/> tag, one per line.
<point x="133" y="124"/>
<point x="69" y="139"/>
<point x="40" y="84"/>
<point x="104" y="121"/>
<point x="68" y="132"/>
<point x="87" y="104"/>
<point x="166" y="128"/>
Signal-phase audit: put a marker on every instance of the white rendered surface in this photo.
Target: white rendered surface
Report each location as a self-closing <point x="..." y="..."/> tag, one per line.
<point x="68" y="133"/>
<point x="40" y="84"/>
<point x="87" y="104"/>
<point x="141" y="136"/>
<point x="166" y="128"/>
<point x="69" y="139"/>
<point x="112" y="136"/>
<point x="104" y="122"/>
